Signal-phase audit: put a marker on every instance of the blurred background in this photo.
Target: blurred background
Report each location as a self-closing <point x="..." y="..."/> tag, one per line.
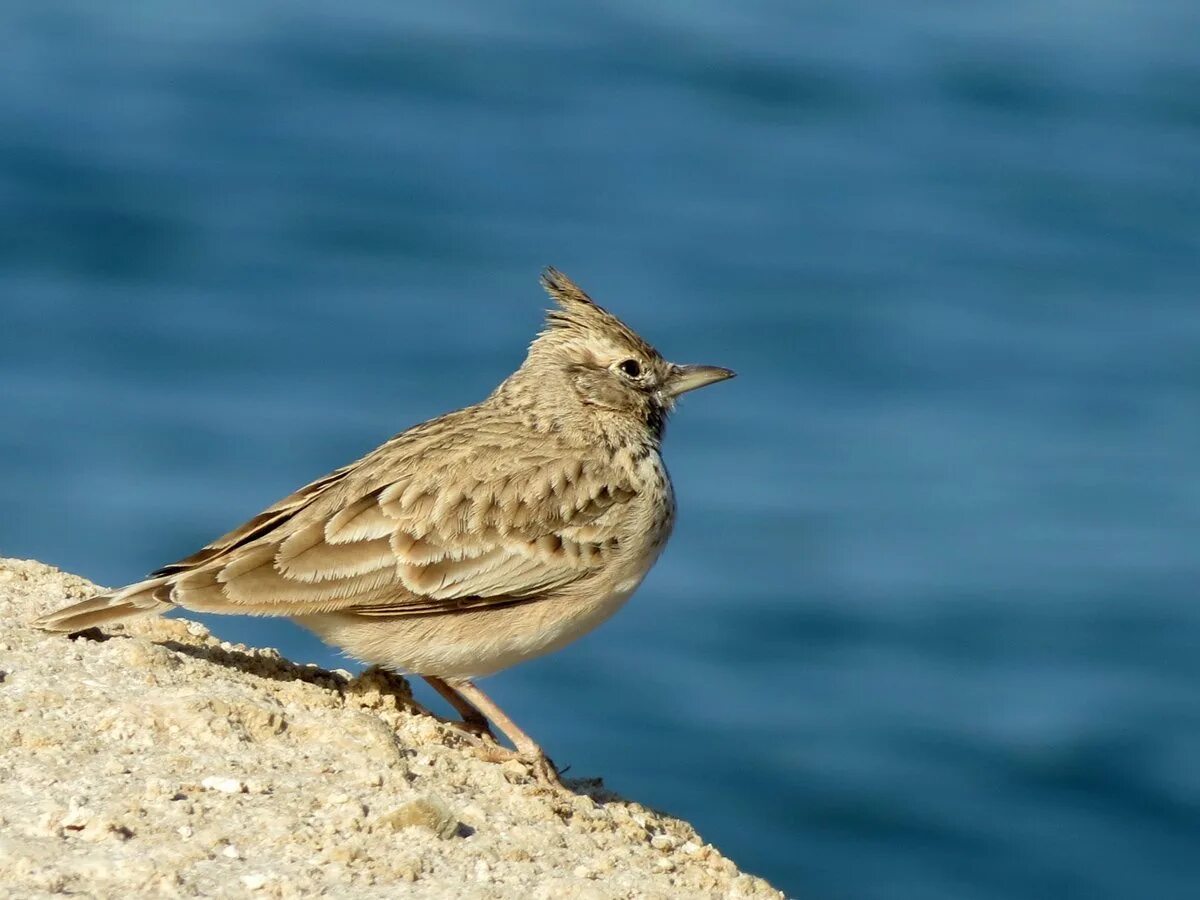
<point x="928" y="626"/>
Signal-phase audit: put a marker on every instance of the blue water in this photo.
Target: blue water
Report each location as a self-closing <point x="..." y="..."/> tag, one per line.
<point x="928" y="627"/>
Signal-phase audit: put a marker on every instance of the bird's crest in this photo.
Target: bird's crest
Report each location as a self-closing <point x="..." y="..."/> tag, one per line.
<point x="579" y="313"/>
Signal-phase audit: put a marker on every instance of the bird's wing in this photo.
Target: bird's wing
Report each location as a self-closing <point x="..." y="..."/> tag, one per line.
<point x="435" y="540"/>
<point x="270" y="519"/>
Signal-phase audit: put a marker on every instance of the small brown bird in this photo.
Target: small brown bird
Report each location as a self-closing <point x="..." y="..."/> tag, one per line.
<point x="471" y="542"/>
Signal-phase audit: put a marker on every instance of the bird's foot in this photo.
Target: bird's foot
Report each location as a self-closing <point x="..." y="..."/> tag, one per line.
<point x="477" y="727"/>
<point x="545" y="772"/>
<point x="474" y="703"/>
<point x="540" y="766"/>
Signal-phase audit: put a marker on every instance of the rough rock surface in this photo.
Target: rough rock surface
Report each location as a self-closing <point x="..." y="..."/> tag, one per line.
<point x="154" y="760"/>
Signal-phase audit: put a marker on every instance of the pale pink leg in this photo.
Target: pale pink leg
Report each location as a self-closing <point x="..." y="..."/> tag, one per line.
<point x="472" y="719"/>
<point x="527" y="749"/>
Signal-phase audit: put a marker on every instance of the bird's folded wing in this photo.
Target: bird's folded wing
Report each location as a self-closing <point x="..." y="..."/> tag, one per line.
<point x="270" y="519"/>
<point x="440" y="543"/>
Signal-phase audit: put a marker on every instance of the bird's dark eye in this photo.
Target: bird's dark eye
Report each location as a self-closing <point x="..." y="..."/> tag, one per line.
<point x="630" y="367"/>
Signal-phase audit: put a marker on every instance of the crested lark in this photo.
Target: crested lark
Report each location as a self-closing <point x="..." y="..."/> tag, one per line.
<point x="471" y="542"/>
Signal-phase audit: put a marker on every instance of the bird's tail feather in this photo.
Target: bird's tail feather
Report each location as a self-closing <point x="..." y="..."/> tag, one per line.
<point x="141" y="599"/>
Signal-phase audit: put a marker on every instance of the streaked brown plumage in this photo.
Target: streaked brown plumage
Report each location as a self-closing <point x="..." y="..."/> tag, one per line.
<point x="471" y="542"/>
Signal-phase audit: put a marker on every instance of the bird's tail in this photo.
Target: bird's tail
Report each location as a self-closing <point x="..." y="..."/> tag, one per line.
<point x="141" y="599"/>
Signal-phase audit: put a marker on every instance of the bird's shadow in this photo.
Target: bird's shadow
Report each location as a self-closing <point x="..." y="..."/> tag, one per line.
<point x="274" y="667"/>
<point x="278" y="668"/>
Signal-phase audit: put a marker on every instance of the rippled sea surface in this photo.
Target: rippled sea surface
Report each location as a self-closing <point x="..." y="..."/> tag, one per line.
<point x="928" y="627"/>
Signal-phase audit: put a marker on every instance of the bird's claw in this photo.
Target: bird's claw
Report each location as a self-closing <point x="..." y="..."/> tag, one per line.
<point x="540" y="766"/>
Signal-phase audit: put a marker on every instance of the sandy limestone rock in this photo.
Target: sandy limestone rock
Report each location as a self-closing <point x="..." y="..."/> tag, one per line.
<point x="154" y="760"/>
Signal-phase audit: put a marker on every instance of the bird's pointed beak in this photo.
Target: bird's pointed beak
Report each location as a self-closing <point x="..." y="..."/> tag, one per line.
<point x="687" y="378"/>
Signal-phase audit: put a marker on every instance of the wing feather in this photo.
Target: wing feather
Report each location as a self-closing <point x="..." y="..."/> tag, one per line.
<point x="362" y="520"/>
<point x="448" y="541"/>
<point x="264" y="523"/>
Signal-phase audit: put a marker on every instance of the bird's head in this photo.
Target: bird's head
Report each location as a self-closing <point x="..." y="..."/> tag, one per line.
<point x="606" y="366"/>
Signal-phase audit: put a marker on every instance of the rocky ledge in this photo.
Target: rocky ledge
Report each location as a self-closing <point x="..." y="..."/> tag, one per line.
<point x="155" y="760"/>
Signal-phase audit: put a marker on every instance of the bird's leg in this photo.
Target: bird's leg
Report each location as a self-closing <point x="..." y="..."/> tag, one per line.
<point x="473" y="720"/>
<point x="527" y="749"/>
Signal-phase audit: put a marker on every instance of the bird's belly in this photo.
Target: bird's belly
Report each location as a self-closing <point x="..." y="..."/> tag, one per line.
<point x="469" y="644"/>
